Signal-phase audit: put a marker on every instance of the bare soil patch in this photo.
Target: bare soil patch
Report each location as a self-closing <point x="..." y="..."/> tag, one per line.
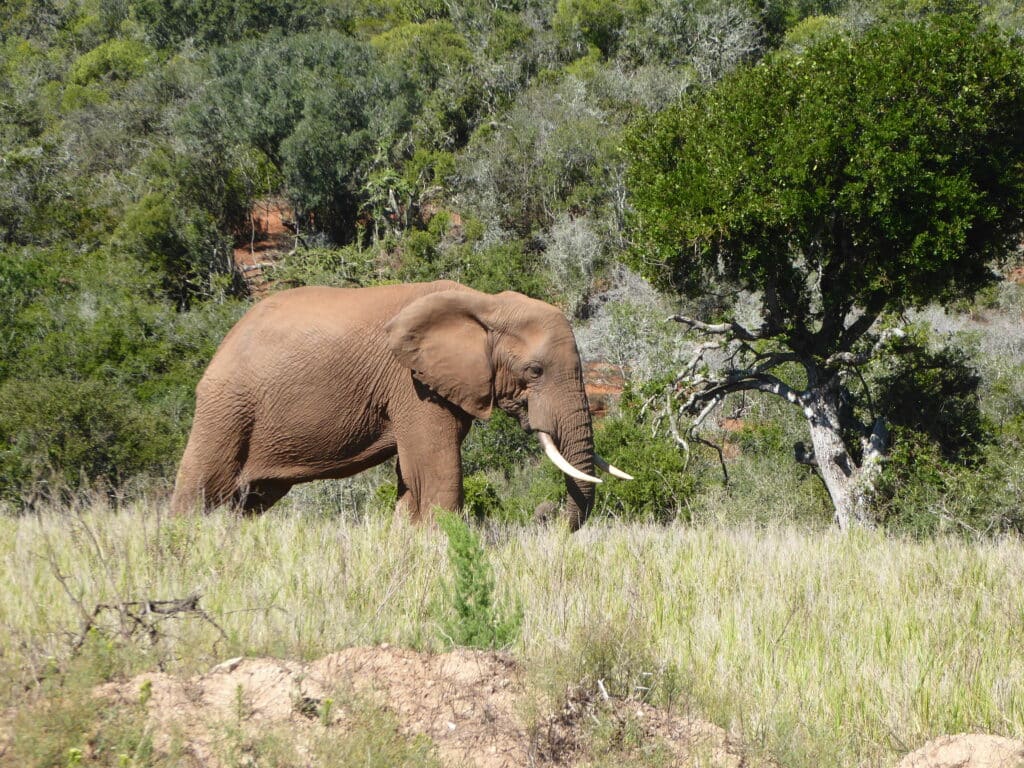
<point x="467" y="702"/>
<point x="967" y="750"/>
<point x="270" y="234"/>
<point x="604" y="384"/>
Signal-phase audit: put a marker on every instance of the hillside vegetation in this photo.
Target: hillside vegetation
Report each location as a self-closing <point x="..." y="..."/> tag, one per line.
<point x="503" y="145"/>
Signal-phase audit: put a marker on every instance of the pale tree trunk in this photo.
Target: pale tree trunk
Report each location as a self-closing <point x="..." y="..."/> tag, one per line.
<point x="851" y="486"/>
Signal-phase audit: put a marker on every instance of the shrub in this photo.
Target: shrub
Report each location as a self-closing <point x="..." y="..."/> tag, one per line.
<point x="933" y="392"/>
<point x="344" y="267"/>
<point x="98" y="377"/>
<point x="498" y="444"/>
<point x="555" y="150"/>
<point x="112" y="60"/>
<point x="182" y="244"/>
<point x="61" y="431"/>
<point x="477" y="622"/>
<point x="662" y="486"/>
<point x="481" y="500"/>
<point x="922" y="493"/>
<point x="599" y="23"/>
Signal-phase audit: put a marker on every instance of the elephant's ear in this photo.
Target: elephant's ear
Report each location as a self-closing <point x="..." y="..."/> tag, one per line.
<point x="444" y="340"/>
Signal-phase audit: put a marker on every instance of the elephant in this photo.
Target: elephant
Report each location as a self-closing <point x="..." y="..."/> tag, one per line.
<point x="321" y="382"/>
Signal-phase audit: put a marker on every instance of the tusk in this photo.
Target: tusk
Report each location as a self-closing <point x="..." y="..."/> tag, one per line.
<point x="560" y="461"/>
<point x="611" y="469"/>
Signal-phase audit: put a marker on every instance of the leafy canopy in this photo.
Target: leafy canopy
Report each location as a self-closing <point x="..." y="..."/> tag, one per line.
<point x="874" y="172"/>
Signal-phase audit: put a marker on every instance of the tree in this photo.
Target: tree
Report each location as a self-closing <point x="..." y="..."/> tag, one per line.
<point x="864" y="176"/>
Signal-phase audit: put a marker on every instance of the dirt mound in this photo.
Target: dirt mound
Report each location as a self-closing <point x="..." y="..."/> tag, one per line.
<point x="969" y="750"/>
<point x="466" y="702"/>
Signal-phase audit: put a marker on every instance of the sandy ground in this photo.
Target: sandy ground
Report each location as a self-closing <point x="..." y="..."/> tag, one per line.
<point x="470" y="704"/>
<point x="467" y="702"/>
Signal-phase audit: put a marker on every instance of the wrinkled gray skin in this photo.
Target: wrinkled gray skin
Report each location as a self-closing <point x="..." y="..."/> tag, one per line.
<point x="319" y="383"/>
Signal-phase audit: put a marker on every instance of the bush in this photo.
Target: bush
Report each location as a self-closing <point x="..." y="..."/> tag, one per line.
<point x="922" y="493"/>
<point x="98" y="377"/>
<point x="477" y="622"/>
<point x="61" y="432"/>
<point x="481" y="500"/>
<point x="342" y="267"/>
<point x="112" y="60"/>
<point x="556" y="150"/>
<point x="662" y="487"/>
<point x="598" y="23"/>
<point x="498" y="445"/>
<point x="181" y="244"/>
<point x="934" y="392"/>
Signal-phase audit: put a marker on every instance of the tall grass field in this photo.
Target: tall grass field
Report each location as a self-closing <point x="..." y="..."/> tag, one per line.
<point x="811" y="648"/>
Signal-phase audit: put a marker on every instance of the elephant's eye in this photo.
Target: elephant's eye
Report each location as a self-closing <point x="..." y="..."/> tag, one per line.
<point x="534" y="371"/>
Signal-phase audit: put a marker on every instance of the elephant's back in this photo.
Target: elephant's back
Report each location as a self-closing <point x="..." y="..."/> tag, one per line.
<point x="300" y="318"/>
<point x="299" y="308"/>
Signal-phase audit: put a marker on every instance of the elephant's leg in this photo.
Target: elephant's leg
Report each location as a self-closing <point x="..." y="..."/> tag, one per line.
<point x="208" y="475"/>
<point x="213" y="458"/>
<point x="430" y="468"/>
<point x="260" y="496"/>
<point x="404" y="501"/>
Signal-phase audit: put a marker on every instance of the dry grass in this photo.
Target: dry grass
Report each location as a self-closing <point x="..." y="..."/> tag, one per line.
<point x="812" y="648"/>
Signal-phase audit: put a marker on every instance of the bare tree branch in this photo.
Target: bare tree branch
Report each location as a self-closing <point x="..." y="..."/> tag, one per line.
<point x="690" y="368"/>
<point x="744" y="381"/>
<point x="692" y="434"/>
<point x="720" y="329"/>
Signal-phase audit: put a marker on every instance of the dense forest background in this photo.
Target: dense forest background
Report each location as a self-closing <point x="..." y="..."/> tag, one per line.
<point x="486" y="142"/>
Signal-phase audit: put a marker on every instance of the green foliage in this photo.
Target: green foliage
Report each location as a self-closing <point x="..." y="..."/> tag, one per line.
<point x="430" y="50"/>
<point x="924" y="494"/>
<point x="498" y="444"/>
<point x="590" y="22"/>
<point x="481" y="500"/>
<point x="328" y="107"/>
<point x="662" y="487"/>
<point x="500" y="267"/>
<point x="343" y="267"/>
<point x="887" y="163"/>
<point x="492" y="268"/>
<point x="112" y="60"/>
<point x="184" y="246"/>
<point x="556" y="150"/>
<point x="97" y="377"/>
<point x="767" y="438"/>
<point x="477" y="623"/>
<point x="934" y="392"/>
<point x="208" y="22"/>
<point x="61" y="432"/>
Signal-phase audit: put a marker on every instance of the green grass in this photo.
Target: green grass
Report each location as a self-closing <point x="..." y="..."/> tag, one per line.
<point x="811" y="647"/>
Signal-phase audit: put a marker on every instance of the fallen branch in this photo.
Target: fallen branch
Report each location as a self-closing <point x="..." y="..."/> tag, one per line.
<point x="145" y="616"/>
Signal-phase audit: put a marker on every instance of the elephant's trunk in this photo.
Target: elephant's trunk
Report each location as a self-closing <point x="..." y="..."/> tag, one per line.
<point x="576" y="443"/>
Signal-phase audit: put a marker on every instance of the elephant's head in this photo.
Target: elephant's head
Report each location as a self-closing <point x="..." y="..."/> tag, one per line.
<point x="507" y="350"/>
